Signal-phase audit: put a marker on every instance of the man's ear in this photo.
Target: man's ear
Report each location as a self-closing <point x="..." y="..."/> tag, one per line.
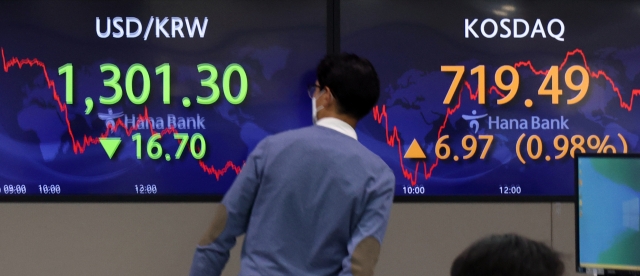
<point x="330" y="99"/>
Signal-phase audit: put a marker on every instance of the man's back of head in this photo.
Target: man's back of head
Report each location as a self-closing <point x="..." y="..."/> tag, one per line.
<point x="507" y="255"/>
<point x="352" y="84"/>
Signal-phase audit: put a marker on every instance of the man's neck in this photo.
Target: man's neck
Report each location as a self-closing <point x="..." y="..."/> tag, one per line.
<point x="338" y="125"/>
<point x="345" y="118"/>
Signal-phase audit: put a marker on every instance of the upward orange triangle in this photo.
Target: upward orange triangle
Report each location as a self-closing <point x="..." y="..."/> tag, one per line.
<point x="415" y="151"/>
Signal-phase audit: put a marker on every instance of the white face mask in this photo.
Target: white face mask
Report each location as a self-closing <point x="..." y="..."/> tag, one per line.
<point x="314" y="110"/>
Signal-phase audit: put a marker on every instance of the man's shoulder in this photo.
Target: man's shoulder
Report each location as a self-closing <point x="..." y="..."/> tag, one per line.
<point x="287" y="138"/>
<point x="292" y="134"/>
<point x="319" y="135"/>
<point x="308" y="132"/>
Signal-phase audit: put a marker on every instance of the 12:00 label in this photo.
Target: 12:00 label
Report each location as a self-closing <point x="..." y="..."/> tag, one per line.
<point x="149" y="189"/>
<point x="510" y="190"/>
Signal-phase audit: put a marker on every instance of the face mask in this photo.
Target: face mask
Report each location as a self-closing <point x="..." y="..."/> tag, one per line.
<point x="314" y="110"/>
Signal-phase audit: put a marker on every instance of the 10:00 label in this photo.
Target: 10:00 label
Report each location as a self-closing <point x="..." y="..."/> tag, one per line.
<point x="417" y="190"/>
<point x="49" y="189"/>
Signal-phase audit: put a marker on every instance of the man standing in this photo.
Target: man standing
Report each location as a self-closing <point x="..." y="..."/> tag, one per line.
<point x="311" y="201"/>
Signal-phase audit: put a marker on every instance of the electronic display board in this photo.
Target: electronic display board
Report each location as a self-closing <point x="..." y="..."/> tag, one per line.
<point x="148" y="99"/>
<point x="493" y="99"/>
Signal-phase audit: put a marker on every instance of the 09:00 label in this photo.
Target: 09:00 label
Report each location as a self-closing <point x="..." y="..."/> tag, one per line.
<point x="10" y="189"/>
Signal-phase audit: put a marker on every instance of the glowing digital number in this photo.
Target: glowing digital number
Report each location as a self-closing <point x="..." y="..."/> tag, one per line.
<point x="165" y="70"/>
<point x="226" y="83"/>
<point x="582" y="87"/>
<point x="68" y="70"/>
<point x="144" y="95"/>
<point x="555" y="91"/>
<point x="112" y="82"/>
<point x="209" y="82"/>
<point x="459" y="70"/>
<point x="512" y="87"/>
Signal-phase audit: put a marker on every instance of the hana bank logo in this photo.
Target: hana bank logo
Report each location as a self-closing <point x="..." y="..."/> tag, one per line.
<point x="473" y="120"/>
<point x="109" y="118"/>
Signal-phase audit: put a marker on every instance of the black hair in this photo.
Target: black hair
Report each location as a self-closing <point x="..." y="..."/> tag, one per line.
<point x="353" y="82"/>
<point x="508" y="255"/>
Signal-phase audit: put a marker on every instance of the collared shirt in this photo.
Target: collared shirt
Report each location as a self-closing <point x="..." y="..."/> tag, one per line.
<point x="310" y="201"/>
<point x="338" y="125"/>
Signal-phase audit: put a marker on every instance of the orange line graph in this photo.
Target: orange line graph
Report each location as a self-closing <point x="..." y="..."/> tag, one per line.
<point x="393" y="139"/>
<point x="80" y="145"/>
